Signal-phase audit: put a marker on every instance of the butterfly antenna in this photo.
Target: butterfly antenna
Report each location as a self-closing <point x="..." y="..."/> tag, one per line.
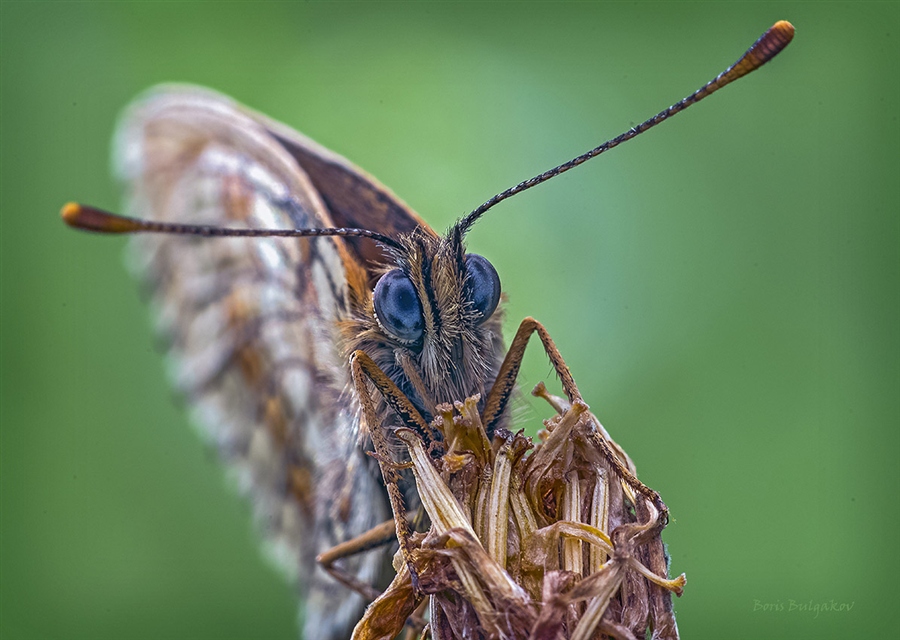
<point x="92" y="219"/>
<point x="767" y="47"/>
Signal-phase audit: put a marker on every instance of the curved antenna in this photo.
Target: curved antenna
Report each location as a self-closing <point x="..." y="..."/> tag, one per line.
<point x="767" y="47"/>
<point x="92" y="219"/>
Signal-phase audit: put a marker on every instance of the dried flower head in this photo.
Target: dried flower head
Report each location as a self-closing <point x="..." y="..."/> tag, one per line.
<point x="557" y="539"/>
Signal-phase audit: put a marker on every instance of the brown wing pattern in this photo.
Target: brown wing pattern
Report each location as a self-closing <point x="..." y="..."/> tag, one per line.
<point x="251" y="325"/>
<point x="353" y="197"/>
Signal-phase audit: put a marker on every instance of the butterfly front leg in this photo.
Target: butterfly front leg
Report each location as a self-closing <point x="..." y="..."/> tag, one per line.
<point x="364" y="371"/>
<point x="505" y="383"/>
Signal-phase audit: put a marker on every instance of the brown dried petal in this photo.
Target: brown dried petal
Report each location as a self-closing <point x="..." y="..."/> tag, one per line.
<point x="385" y="617"/>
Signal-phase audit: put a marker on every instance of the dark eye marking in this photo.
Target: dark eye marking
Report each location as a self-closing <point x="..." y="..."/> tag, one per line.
<point x="398" y="307"/>
<point x="482" y="285"/>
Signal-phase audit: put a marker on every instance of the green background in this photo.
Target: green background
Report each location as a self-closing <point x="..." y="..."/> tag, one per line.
<point x="725" y="289"/>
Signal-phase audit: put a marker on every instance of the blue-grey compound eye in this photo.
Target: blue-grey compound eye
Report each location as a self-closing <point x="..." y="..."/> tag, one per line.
<point x="483" y="285"/>
<point x="398" y="307"/>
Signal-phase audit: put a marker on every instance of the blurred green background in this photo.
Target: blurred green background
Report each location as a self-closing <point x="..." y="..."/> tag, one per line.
<point x="725" y="289"/>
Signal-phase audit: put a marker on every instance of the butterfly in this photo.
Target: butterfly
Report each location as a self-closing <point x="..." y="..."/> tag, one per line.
<point x="308" y="311"/>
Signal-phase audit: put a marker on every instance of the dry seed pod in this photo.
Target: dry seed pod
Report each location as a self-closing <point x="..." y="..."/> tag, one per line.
<point x="554" y="540"/>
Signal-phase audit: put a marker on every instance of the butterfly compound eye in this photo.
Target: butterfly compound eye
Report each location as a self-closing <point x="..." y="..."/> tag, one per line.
<point x="483" y="284"/>
<point x="397" y="306"/>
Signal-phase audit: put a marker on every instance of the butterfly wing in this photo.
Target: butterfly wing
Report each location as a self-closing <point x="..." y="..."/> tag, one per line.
<point x="251" y="323"/>
<point x="353" y="197"/>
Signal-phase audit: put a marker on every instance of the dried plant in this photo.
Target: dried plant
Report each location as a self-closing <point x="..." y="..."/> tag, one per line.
<point x="557" y="539"/>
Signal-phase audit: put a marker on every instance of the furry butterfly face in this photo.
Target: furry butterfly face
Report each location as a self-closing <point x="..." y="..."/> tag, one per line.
<point x="399" y="309"/>
<point x="436" y="317"/>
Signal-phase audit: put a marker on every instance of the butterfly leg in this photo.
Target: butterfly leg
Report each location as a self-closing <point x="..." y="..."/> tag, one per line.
<point x="377" y="536"/>
<point x="500" y="393"/>
<point x="364" y="370"/>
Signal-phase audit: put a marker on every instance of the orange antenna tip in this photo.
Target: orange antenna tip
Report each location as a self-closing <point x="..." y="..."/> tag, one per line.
<point x="774" y="40"/>
<point x="785" y="29"/>
<point x="91" y="219"/>
<point x="70" y="213"/>
<point x="769" y="45"/>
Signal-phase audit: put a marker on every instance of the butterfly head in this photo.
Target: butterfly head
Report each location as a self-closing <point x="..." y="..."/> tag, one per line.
<point x="436" y="307"/>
